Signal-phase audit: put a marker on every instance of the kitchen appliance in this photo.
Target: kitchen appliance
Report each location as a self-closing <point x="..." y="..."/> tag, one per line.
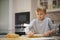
<point x="58" y="33"/>
<point x="20" y="19"/>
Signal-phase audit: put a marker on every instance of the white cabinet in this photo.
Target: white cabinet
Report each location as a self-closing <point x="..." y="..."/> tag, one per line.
<point x="51" y="5"/>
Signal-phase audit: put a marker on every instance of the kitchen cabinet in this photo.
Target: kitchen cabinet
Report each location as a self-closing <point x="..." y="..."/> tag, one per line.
<point x="51" y="5"/>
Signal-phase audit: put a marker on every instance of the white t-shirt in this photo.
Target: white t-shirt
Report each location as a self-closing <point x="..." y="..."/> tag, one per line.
<point x="40" y="27"/>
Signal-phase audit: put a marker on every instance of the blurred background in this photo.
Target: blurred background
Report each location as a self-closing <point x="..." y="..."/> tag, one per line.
<point x="15" y="13"/>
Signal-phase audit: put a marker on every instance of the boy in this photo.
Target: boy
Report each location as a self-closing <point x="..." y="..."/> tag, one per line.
<point x="41" y="25"/>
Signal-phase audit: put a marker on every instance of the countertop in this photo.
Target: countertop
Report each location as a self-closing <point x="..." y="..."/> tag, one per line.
<point x="39" y="38"/>
<point x="26" y="38"/>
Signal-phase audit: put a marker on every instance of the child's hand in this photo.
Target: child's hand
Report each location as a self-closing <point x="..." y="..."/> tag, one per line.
<point x="29" y="34"/>
<point x="46" y="34"/>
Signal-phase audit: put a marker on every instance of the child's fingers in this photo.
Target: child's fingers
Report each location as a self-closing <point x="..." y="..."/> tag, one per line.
<point x="30" y="34"/>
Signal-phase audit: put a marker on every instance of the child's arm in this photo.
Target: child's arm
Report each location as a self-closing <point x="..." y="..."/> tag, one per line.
<point x="28" y="30"/>
<point x="51" y="28"/>
<point x="48" y="33"/>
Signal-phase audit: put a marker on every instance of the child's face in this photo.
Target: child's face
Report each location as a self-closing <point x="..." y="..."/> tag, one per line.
<point x="40" y="15"/>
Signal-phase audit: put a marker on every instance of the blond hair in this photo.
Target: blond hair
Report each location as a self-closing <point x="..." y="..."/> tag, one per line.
<point x="41" y="9"/>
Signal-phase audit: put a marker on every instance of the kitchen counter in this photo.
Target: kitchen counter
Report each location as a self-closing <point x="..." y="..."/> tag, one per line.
<point x="35" y="37"/>
<point x="43" y="38"/>
<point x="26" y="38"/>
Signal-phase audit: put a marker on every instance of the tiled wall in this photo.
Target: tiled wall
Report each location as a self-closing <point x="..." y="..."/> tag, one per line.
<point x="55" y="16"/>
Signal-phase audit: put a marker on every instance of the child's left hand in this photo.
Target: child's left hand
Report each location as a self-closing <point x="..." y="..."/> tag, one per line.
<point x="48" y="33"/>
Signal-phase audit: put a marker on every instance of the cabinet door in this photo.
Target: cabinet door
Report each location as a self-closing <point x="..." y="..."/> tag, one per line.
<point x="44" y="3"/>
<point x="56" y="3"/>
<point x="50" y="4"/>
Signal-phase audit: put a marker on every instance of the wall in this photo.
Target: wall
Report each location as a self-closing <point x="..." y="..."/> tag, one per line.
<point x="33" y="8"/>
<point x="24" y="6"/>
<point x="4" y="16"/>
<point x="55" y="16"/>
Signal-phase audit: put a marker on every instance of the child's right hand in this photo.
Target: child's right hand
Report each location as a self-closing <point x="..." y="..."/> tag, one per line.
<point x="30" y="34"/>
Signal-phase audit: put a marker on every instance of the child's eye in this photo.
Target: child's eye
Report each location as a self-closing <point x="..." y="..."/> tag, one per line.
<point x="40" y="14"/>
